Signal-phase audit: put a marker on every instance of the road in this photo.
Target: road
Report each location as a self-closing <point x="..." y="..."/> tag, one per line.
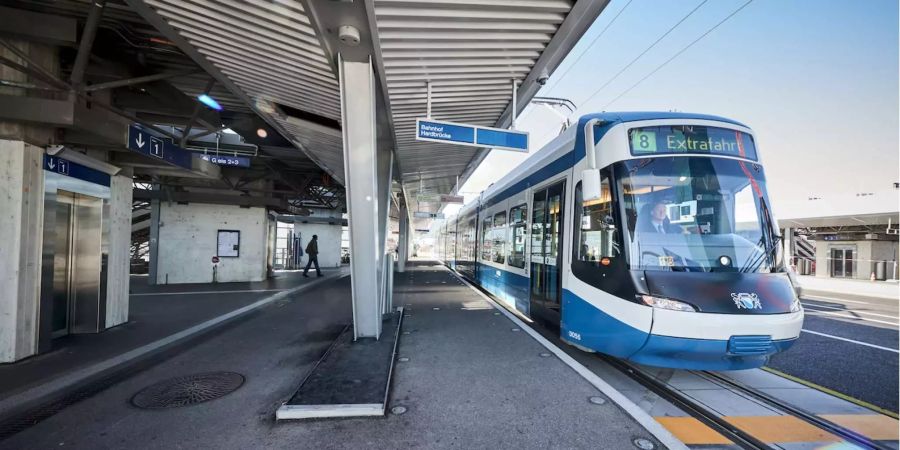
<point x="848" y="344"/>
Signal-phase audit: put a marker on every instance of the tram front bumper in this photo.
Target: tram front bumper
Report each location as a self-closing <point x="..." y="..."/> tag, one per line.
<point x="700" y="341"/>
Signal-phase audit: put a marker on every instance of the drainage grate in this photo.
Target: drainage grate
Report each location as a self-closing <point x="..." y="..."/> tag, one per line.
<point x="188" y="390"/>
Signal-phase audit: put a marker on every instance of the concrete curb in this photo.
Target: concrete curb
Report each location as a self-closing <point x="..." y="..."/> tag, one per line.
<point x="52" y="390"/>
<point x="642" y="417"/>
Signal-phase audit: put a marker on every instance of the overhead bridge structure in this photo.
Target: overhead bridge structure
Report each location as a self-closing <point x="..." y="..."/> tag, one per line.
<point x="313" y="103"/>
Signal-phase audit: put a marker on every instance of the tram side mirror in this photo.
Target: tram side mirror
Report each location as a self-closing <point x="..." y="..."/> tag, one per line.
<point x="590" y="184"/>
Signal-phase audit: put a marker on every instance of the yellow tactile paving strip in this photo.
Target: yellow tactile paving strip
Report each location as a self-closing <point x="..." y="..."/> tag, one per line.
<point x="782" y="429"/>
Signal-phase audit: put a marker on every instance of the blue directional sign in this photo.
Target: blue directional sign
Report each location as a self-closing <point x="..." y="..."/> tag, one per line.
<point x="226" y="160"/>
<point x="471" y="135"/>
<point x="70" y="169"/>
<point x="141" y="141"/>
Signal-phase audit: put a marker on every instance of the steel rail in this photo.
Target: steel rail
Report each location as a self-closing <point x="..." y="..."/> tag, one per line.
<point x="709" y="418"/>
<point x="800" y="413"/>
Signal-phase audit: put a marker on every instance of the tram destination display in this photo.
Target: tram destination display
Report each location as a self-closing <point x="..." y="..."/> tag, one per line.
<point x="673" y="139"/>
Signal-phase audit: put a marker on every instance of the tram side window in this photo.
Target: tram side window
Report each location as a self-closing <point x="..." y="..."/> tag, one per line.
<point x="595" y="228"/>
<point x="486" y="242"/>
<point x="498" y="251"/>
<point x="518" y="221"/>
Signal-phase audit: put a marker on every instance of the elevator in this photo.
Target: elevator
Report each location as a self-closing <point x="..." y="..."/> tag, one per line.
<point x="77" y="264"/>
<point x="74" y="258"/>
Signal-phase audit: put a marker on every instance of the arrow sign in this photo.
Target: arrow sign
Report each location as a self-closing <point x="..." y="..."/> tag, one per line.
<point x="159" y="148"/>
<point x="229" y="161"/>
<point x="68" y="168"/>
<point x="471" y="135"/>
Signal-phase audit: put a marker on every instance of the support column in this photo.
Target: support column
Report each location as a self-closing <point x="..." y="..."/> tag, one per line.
<point x="153" y="242"/>
<point x="403" y="241"/>
<point x="365" y="180"/>
<point x="119" y="263"/>
<point x="21" y="226"/>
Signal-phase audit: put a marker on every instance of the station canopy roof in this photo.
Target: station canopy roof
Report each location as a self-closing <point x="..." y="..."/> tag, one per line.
<point x="279" y="58"/>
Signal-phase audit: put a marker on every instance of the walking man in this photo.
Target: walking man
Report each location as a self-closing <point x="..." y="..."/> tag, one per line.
<point x="312" y="249"/>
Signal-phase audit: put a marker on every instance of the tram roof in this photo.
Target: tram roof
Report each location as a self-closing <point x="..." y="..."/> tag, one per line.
<point x="635" y="116"/>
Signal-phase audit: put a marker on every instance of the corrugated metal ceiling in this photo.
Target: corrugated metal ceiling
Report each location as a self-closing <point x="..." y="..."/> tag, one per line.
<point x="270" y="51"/>
<point x="470" y="51"/>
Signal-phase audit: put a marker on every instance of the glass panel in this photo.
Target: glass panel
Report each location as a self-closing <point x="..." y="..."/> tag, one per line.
<point x="551" y="239"/>
<point x="595" y="229"/>
<point x="538" y="214"/>
<point x="486" y="243"/>
<point x="698" y="214"/>
<point x="537" y="226"/>
<point x="498" y="235"/>
<point x="517" y="219"/>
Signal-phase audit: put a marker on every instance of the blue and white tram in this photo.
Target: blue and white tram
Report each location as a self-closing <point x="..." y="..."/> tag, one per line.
<point x="656" y="244"/>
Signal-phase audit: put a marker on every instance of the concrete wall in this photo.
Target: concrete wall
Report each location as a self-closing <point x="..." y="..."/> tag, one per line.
<point x="21" y="231"/>
<point x="329" y="242"/>
<point x="187" y="242"/>
<point x="867" y="252"/>
<point x="118" y="265"/>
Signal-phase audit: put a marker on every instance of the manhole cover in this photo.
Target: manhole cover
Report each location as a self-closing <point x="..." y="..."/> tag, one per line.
<point x="188" y="390"/>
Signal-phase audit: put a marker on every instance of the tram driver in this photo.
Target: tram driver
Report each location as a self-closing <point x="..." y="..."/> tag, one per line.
<point x="654" y="219"/>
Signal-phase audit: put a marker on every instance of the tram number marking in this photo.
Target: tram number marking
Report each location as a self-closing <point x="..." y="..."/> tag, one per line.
<point x="666" y="261"/>
<point x="574" y="335"/>
<point x="643" y="141"/>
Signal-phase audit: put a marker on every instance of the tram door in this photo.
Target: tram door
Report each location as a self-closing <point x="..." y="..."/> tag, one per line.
<point x="546" y="253"/>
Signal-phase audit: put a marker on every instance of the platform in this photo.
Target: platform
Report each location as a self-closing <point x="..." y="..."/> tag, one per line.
<point x="162" y="317"/>
<point x="466" y="375"/>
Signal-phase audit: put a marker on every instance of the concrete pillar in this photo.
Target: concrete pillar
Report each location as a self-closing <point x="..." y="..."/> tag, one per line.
<point x="189" y="236"/>
<point x="118" y="266"/>
<point x="21" y="228"/>
<point x="367" y="178"/>
<point x="153" y="241"/>
<point x="403" y="240"/>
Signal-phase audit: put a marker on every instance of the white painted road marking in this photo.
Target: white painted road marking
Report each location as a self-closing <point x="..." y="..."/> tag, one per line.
<point x="816" y="312"/>
<point x="821" y="298"/>
<point x="206" y="292"/>
<point x="851" y="310"/>
<point x="850" y="340"/>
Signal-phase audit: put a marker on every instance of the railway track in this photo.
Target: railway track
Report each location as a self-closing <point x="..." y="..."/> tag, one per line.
<point x="716" y="421"/>
<point x="719" y="424"/>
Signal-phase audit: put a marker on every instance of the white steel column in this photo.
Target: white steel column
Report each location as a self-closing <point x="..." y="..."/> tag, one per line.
<point x="361" y="181"/>
<point x="403" y="241"/>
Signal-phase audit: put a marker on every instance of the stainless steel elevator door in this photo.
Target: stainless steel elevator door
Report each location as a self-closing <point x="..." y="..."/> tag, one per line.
<point x="62" y="264"/>
<point x="77" y="264"/>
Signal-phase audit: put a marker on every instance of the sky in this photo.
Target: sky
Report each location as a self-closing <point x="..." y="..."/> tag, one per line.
<point x="817" y="81"/>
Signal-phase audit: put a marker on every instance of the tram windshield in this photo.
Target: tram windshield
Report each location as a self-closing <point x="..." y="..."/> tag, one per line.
<point x="697" y="214"/>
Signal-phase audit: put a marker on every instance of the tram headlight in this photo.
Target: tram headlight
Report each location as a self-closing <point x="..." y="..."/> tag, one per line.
<point x="795" y="305"/>
<point x="665" y="303"/>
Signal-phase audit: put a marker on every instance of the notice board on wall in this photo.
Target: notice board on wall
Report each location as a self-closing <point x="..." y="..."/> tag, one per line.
<point x="228" y="243"/>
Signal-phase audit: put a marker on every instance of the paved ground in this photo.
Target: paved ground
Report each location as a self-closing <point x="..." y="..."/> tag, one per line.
<point x="471" y="382"/>
<point x="155" y="312"/>
<point x="849" y="344"/>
